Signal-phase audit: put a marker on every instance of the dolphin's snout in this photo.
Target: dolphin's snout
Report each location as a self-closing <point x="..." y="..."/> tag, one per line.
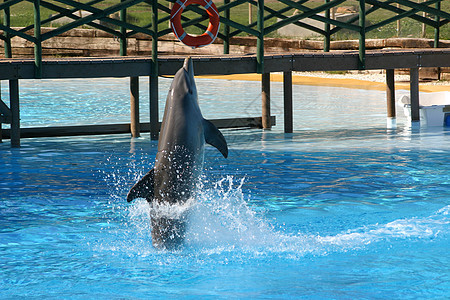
<point x="188" y="66"/>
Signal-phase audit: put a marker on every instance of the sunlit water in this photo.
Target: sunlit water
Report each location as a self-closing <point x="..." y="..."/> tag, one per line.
<point x="342" y="208"/>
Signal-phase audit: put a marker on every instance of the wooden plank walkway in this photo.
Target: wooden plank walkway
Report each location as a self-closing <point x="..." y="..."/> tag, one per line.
<point x="15" y="70"/>
<point x="224" y="64"/>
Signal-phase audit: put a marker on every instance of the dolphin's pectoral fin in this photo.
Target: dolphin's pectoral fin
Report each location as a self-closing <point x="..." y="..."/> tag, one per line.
<point x="143" y="188"/>
<point x="215" y="138"/>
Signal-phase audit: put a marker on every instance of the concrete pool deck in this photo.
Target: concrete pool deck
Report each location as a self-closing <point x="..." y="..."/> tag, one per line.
<point x="358" y="81"/>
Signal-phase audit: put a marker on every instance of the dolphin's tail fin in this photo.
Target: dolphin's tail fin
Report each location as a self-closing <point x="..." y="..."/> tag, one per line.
<point x="215" y="138"/>
<point x="143" y="188"/>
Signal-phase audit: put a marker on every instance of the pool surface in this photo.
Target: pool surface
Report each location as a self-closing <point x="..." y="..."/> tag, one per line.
<point x="343" y="208"/>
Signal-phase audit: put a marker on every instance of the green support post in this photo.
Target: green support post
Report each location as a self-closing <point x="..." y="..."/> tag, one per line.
<point x="154" y="105"/>
<point x="155" y="70"/>
<point x="7" y="23"/>
<point x="226" y="30"/>
<point x="326" y="40"/>
<point x="437" y="29"/>
<point x="438" y="25"/>
<point x="123" y="32"/>
<point x="260" y="39"/>
<point x="38" y="39"/>
<point x="362" y="34"/>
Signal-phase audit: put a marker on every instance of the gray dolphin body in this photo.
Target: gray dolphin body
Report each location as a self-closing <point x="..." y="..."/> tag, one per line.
<point x="179" y="161"/>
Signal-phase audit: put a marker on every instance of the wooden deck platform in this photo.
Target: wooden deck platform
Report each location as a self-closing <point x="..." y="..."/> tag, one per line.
<point x="224" y="64"/>
<point x="15" y="70"/>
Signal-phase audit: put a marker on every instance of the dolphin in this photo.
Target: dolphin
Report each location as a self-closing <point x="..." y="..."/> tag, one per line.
<point x="170" y="186"/>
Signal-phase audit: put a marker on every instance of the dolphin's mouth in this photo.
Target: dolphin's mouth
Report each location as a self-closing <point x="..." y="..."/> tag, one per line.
<point x="188" y="66"/>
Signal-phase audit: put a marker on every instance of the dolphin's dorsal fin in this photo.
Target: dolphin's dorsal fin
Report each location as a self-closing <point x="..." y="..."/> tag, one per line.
<point x="143" y="188"/>
<point x="215" y="138"/>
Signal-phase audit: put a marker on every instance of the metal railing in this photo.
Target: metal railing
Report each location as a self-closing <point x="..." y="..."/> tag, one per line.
<point x="100" y="16"/>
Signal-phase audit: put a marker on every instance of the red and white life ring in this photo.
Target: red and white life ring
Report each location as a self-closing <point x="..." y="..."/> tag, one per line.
<point x="195" y="41"/>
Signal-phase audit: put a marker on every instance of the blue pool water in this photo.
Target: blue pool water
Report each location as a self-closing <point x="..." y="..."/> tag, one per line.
<point x="341" y="209"/>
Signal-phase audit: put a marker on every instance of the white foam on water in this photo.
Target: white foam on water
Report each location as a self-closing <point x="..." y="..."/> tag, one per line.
<point x="222" y="219"/>
<point x="409" y="228"/>
<point x="171" y="211"/>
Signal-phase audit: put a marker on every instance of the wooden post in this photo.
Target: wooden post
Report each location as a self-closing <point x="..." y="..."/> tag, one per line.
<point x="154" y="107"/>
<point x="265" y="82"/>
<point x="15" y="112"/>
<point x="390" y="97"/>
<point x="288" y="110"/>
<point x="134" y="101"/>
<point x="226" y="30"/>
<point x="414" y="94"/>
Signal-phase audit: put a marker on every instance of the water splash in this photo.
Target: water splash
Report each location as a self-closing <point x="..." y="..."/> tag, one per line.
<point x="223" y="219"/>
<point x="221" y="216"/>
<point x="221" y="222"/>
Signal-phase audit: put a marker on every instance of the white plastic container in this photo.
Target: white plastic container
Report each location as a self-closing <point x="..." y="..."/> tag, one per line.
<point x="433" y="110"/>
<point x="432" y="115"/>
